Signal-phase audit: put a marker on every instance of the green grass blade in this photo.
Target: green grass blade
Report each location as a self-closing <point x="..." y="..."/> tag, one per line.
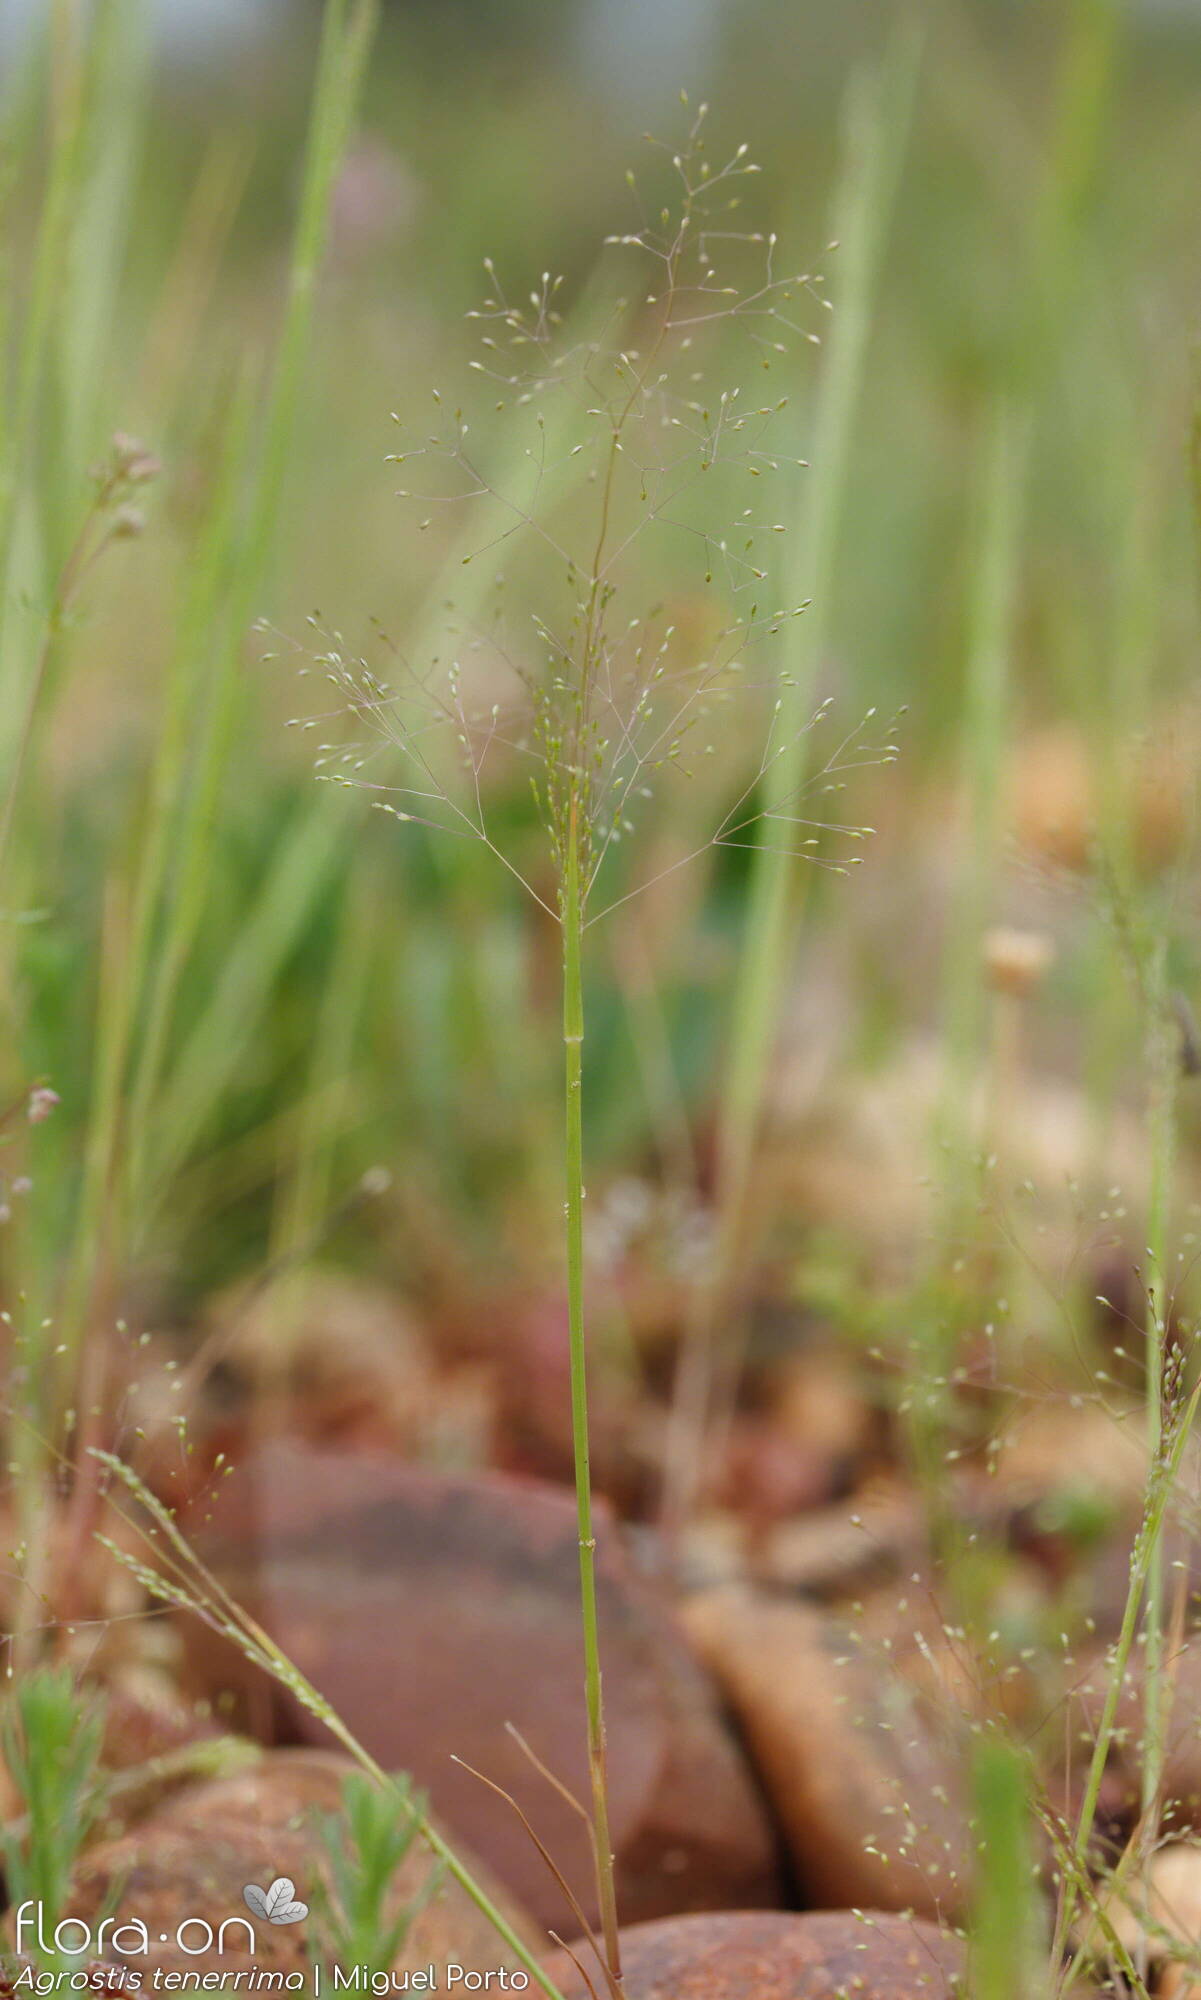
<point x="879" y="111"/>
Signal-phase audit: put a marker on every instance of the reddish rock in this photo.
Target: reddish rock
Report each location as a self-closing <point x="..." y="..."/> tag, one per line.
<point x="862" y="1787"/>
<point x="531" y="1371"/>
<point x="187" y="1864"/>
<point x="766" y="1955"/>
<point x="433" y="1611"/>
<point x="841" y="1551"/>
<point x="769" y="1476"/>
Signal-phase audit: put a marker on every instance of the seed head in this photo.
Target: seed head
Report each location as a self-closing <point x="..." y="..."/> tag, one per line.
<point x="1017" y="960"/>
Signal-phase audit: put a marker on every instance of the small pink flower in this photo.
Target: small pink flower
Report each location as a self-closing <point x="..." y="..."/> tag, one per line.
<point x="42" y="1102"/>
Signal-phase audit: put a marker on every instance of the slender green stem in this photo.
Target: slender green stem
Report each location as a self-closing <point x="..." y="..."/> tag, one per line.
<point x="1161" y="1134"/>
<point x="61" y="602"/>
<point x="878" y="113"/>
<point x="1008" y="1906"/>
<point x="241" y="550"/>
<point x="877" y="122"/>
<point x="347" y="33"/>
<point x="573" y="1046"/>
<point x="444" y="1853"/>
<point x="995" y="546"/>
<point x="68" y="94"/>
<point x="1159" y="1492"/>
<point x="177" y="834"/>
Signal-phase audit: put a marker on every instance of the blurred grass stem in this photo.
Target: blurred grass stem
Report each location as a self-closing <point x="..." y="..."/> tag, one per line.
<point x="573" y="1043"/>
<point x="877" y="117"/>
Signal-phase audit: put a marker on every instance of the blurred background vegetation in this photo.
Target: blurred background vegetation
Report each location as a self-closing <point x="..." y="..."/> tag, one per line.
<point x="248" y="991"/>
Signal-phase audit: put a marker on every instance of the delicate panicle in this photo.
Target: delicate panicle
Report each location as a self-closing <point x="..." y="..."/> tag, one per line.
<point x="615" y="425"/>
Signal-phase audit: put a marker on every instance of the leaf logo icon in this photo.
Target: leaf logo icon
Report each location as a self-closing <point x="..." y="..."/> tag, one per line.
<point x="277" y="1904"/>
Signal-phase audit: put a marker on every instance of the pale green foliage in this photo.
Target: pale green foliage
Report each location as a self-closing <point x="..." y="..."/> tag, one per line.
<point x="51" y="1739"/>
<point x="359" y="1917"/>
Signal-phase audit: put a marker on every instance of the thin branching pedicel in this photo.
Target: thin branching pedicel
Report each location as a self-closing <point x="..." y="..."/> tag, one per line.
<point x="622" y="434"/>
<point x="603" y="707"/>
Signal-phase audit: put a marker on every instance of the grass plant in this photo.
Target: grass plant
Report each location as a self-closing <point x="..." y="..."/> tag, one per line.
<point x="189" y="950"/>
<point x="365" y="1844"/>
<point x="52" y="1740"/>
<point x="613" y="710"/>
